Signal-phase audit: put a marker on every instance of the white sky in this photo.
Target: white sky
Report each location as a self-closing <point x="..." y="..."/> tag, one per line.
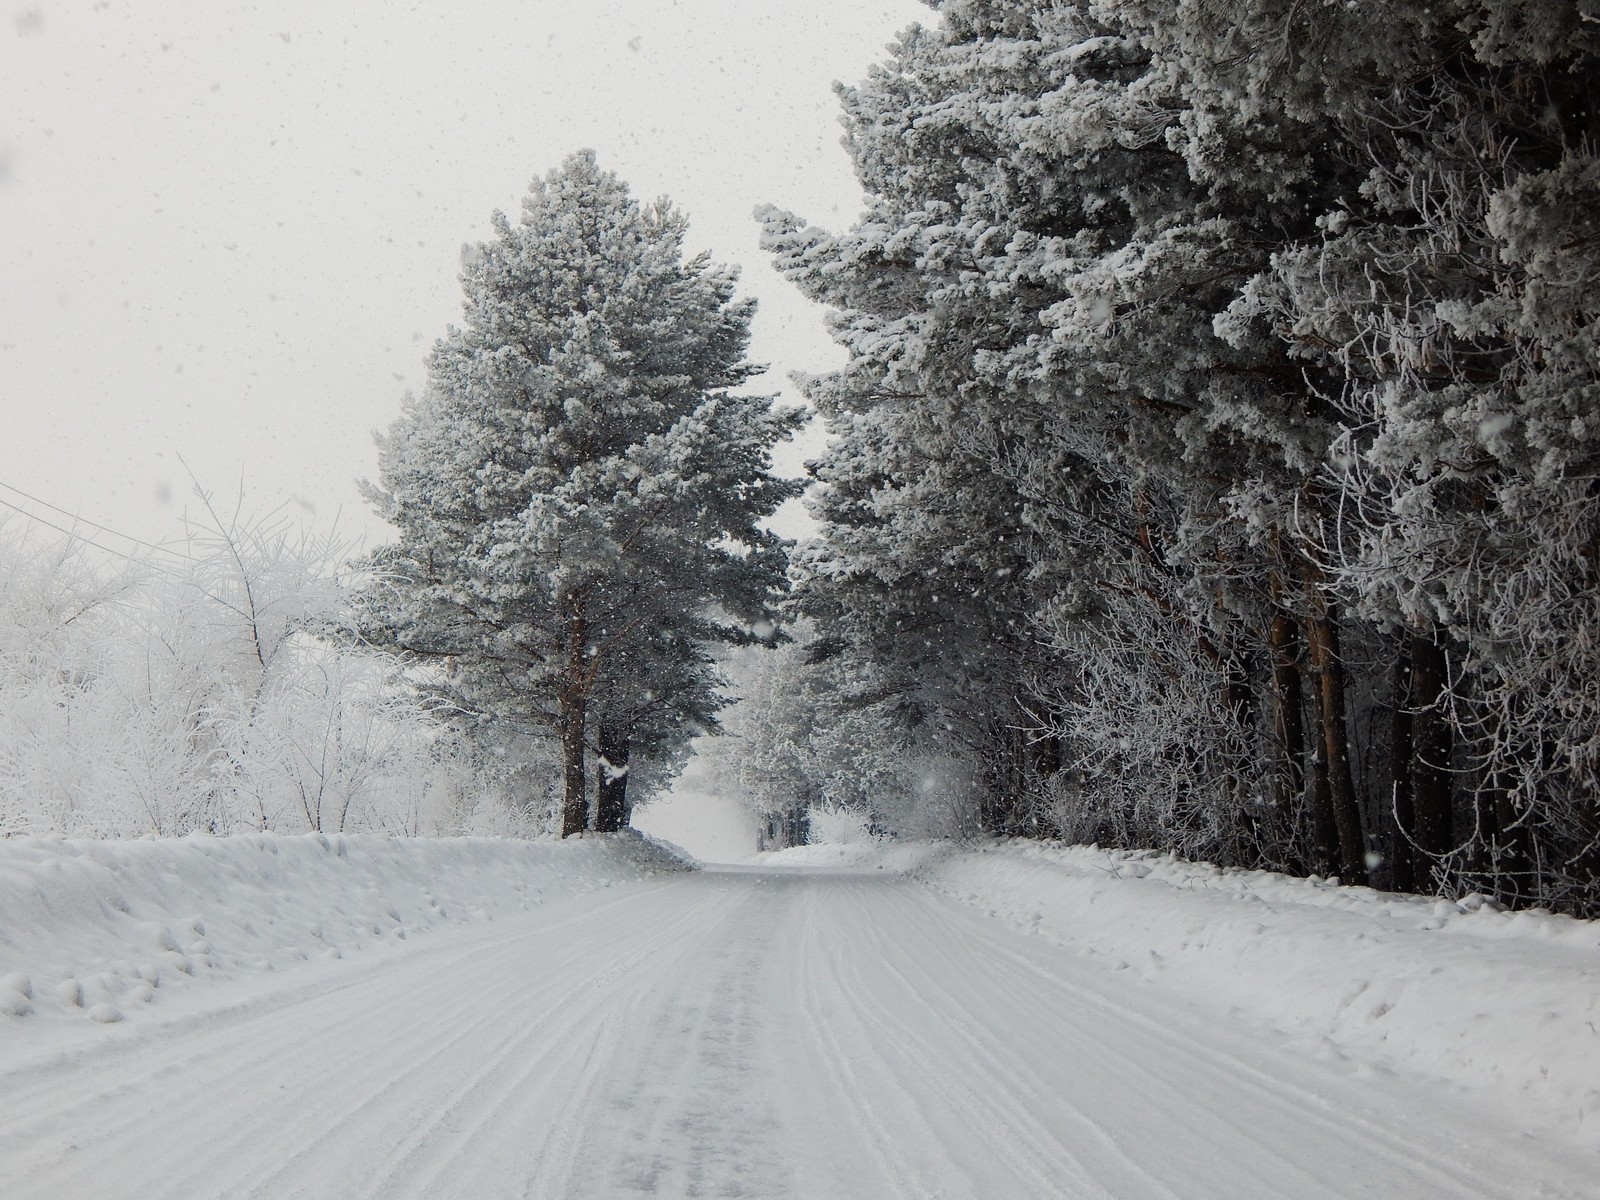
<point x="231" y="231"/>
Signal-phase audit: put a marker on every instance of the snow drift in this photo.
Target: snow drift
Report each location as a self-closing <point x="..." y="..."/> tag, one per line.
<point x="1503" y="1005"/>
<point x="98" y="929"/>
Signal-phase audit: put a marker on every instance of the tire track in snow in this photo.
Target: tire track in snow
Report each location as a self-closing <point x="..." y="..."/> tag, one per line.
<point x="992" y="1061"/>
<point x="330" y="1067"/>
<point x="473" y="1106"/>
<point x="850" y="1083"/>
<point x="586" y="1042"/>
<point x="1344" y="1122"/>
<point x="993" y="1058"/>
<point x="798" y="1035"/>
<point x="1307" y="1132"/>
<point x="542" y="1040"/>
<point x="688" y="1112"/>
<point x="1034" y="1159"/>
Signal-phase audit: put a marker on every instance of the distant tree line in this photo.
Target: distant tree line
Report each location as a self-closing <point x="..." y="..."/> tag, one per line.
<point x="217" y="689"/>
<point x="1216" y="467"/>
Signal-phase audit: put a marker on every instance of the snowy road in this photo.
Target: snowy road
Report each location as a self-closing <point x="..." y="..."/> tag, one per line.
<point x="735" y="1033"/>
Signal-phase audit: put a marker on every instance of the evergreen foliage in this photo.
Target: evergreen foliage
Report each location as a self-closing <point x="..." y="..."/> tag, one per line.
<point x="1213" y="460"/>
<point x="579" y="490"/>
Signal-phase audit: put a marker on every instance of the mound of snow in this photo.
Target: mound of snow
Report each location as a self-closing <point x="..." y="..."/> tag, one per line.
<point x="1504" y="1005"/>
<point x="97" y="930"/>
<point x="872" y="854"/>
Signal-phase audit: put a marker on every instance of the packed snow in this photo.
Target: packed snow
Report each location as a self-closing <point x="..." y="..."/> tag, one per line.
<point x="102" y="928"/>
<point x="1501" y="1006"/>
<point x="370" y="1016"/>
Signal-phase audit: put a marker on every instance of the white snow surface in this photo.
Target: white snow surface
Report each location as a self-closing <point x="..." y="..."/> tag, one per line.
<point x="376" y="1017"/>
<point x="1501" y="1006"/>
<point x="115" y="925"/>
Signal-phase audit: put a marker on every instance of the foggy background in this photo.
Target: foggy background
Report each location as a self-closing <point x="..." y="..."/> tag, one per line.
<point x="230" y="232"/>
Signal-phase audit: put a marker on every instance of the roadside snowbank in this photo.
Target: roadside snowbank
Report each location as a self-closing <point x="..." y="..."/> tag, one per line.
<point x="98" y="929"/>
<point x="1505" y="1005"/>
<point x="867" y="854"/>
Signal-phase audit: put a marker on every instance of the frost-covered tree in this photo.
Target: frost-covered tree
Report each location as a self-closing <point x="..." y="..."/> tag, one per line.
<point x="1035" y="379"/>
<point x="579" y="490"/>
<point x="1232" y="363"/>
<point x="1451" y="299"/>
<point x="203" y="691"/>
<point x="814" y="730"/>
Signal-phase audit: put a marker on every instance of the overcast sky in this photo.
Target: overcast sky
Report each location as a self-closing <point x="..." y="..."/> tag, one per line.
<point x="230" y="232"/>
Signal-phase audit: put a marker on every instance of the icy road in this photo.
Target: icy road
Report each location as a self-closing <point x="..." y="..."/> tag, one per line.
<point x="835" y="1035"/>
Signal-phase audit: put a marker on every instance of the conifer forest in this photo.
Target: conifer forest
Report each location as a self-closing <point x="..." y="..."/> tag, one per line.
<point x="1046" y="648"/>
<point x="1214" y="468"/>
<point x="1217" y="464"/>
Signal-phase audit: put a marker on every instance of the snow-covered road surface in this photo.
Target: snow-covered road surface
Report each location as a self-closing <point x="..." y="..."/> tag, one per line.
<point x="755" y="1033"/>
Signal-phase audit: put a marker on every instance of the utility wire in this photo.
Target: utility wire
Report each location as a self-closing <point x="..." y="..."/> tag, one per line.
<point x="76" y="536"/>
<point x="82" y="520"/>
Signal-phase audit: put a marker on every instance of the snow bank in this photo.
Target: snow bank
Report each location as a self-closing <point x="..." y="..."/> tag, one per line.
<point x="1503" y="1004"/>
<point x="888" y="854"/>
<point x="98" y="929"/>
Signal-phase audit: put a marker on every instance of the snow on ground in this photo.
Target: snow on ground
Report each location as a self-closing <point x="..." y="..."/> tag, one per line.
<point x="804" y="1032"/>
<point x="830" y="1022"/>
<point x="97" y="930"/>
<point x="1503" y="1006"/>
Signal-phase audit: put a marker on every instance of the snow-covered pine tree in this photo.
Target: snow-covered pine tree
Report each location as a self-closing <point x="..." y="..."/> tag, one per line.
<point x="1026" y="424"/>
<point x="580" y="487"/>
<point x="1260" y="339"/>
<point x="1450" y="300"/>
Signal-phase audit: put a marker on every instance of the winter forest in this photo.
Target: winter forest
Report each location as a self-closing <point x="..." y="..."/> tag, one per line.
<point x="1215" y="470"/>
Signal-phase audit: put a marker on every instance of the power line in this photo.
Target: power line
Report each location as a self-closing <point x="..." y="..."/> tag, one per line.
<point x="76" y="536"/>
<point x="80" y="519"/>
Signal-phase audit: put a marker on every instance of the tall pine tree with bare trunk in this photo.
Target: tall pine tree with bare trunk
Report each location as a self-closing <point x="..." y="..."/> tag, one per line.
<point x="580" y="489"/>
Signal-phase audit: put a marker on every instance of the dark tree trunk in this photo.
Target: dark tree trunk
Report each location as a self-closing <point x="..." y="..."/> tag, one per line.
<point x="1322" y="643"/>
<point x="575" y="798"/>
<point x="1288" y="694"/>
<point x="1288" y="719"/>
<point x="1431" y="752"/>
<point x="574" y="720"/>
<point x="1319" y="804"/>
<point x="1046" y="766"/>
<point x="1402" y="865"/>
<point x="797" y="825"/>
<point x="611" y="802"/>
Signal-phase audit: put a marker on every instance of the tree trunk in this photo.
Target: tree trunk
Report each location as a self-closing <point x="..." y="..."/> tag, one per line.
<point x="1288" y="720"/>
<point x="1322" y="642"/>
<point x="1431" y="752"/>
<point x="611" y="800"/>
<point x="997" y="806"/>
<point x="574" y="720"/>
<point x="797" y="825"/>
<point x="1402" y="864"/>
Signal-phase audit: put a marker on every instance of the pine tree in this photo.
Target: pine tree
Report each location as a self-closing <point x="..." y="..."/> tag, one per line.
<point x="1218" y="424"/>
<point x="1028" y="305"/>
<point x="580" y="488"/>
